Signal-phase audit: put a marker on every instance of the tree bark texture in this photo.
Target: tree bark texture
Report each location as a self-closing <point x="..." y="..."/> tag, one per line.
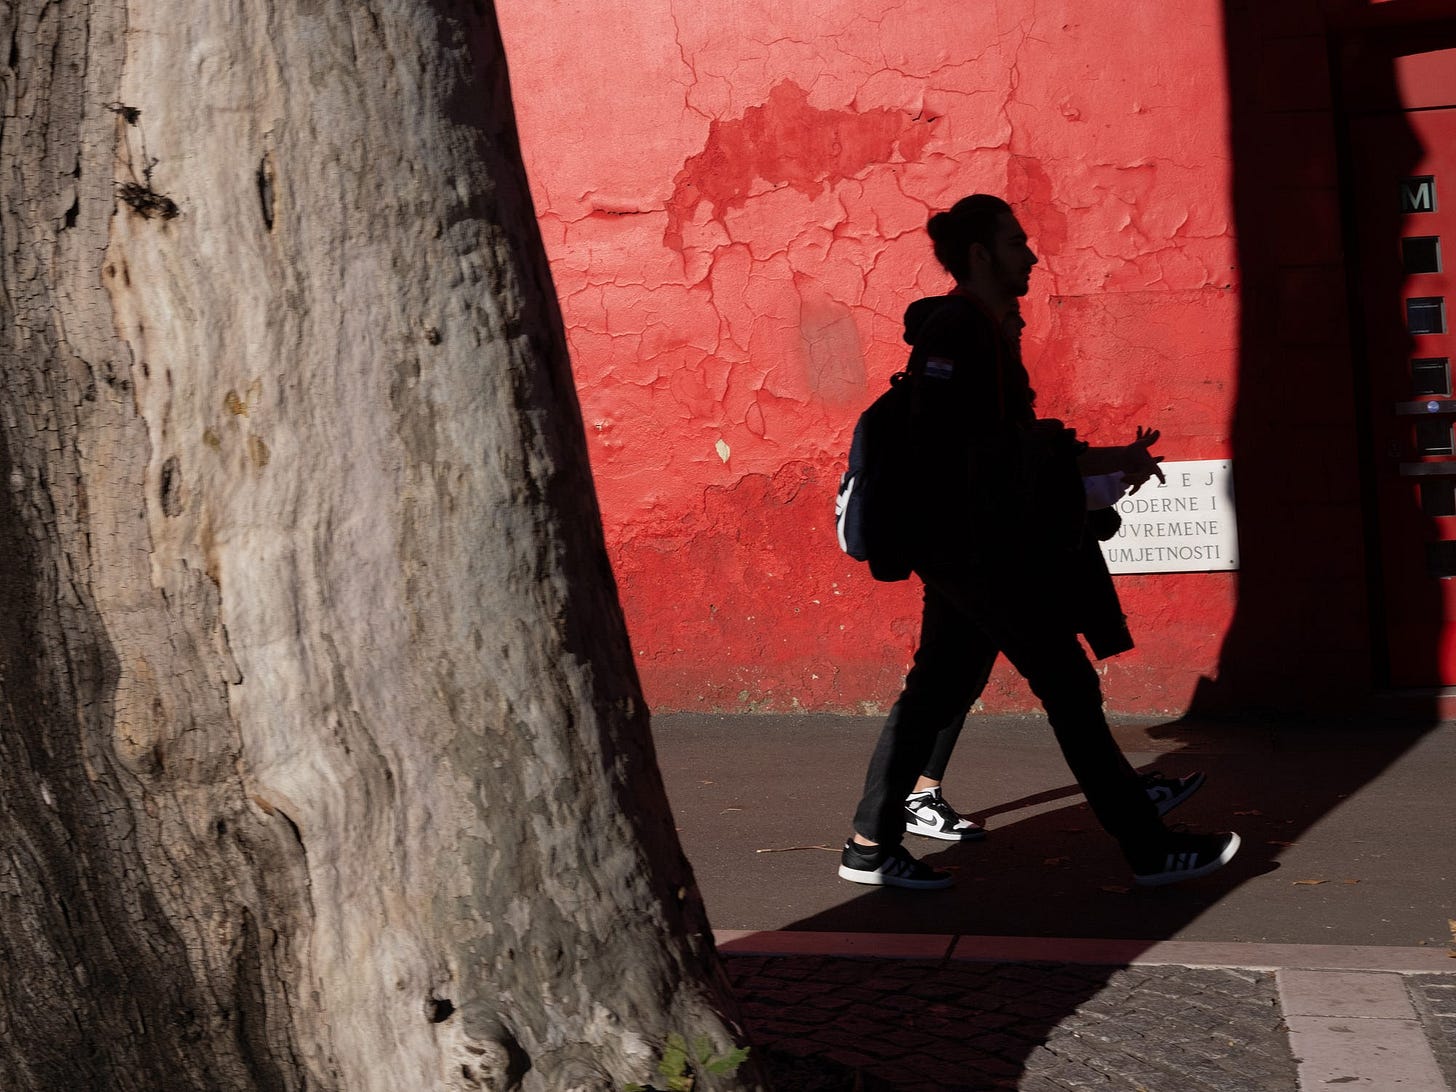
<point x="323" y="763"/>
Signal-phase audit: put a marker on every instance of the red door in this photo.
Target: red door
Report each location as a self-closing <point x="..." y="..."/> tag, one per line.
<point x="1405" y="210"/>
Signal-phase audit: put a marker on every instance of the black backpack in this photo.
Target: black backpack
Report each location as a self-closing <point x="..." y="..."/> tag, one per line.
<point x="870" y="508"/>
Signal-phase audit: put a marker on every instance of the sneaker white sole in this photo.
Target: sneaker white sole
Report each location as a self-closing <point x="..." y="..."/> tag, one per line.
<point x="879" y="879"/>
<point x="1160" y="879"/>
<point x="973" y="834"/>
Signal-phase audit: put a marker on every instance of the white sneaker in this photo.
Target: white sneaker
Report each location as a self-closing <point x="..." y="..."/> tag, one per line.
<point x="928" y="814"/>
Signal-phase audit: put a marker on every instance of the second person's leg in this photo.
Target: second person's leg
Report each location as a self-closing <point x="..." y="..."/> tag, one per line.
<point x="948" y="673"/>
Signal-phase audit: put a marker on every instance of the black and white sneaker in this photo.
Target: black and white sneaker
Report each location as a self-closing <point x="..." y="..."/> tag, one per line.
<point x="888" y="866"/>
<point x="1183" y="857"/>
<point x="927" y="813"/>
<point x="1167" y="793"/>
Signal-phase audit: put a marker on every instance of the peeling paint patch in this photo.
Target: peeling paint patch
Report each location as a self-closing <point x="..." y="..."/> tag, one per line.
<point x="722" y="449"/>
<point x="1029" y="188"/>
<point x="787" y="142"/>
<point x="832" y="356"/>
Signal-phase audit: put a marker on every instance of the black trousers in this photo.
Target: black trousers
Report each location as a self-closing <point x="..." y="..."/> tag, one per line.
<point x="966" y="622"/>
<point x="945" y="740"/>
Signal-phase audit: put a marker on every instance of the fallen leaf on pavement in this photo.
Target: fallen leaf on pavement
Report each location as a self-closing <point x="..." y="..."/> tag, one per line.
<point x="1278" y="843"/>
<point x="725" y="811"/>
<point x="1309" y="883"/>
<point x="1251" y="811"/>
<point x="1349" y="881"/>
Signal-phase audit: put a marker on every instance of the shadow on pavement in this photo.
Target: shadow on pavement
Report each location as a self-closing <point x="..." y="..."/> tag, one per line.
<point x="1056" y="873"/>
<point x="1047" y="869"/>
<point x="956" y="1027"/>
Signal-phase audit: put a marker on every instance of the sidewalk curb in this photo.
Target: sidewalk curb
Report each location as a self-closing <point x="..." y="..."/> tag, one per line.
<point x="1089" y="951"/>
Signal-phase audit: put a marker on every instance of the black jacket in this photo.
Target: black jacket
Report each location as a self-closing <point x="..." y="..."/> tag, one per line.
<point x="996" y="492"/>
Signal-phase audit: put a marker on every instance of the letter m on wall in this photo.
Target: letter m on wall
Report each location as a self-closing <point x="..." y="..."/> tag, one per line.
<point x="1418" y="194"/>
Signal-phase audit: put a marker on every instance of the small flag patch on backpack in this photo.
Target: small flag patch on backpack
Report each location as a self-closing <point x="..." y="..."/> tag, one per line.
<point x="938" y="367"/>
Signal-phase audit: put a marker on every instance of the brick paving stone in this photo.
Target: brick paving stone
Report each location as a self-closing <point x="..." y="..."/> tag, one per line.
<point x="996" y="1044"/>
<point x="1163" y="1040"/>
<point x="862" y="1026"/>
<point x="828" y="1001"/>
<point x="1131" y="1071"/>
<point x="853" y="1058"/>
<point x="901" y="1003"/>
<point x="998" y="987"/>
<point x="998" y="1067"/>
<point x="834" y="1035"/>
<point x="923" y="1071"/>
<point x="923" y="1024"/>
<point x="1434" y="998"/>
<point x="913" y="1040"/>
<point x="988" y="1021"/>
<point x="790" y="1073"/>
<point x="783" y="975"/>
<point x="802" y="1047"/>
<point x="1056" y="1071"/>
<point x="928" y="990"/>
<point x="1035" y="1083"/>
<point x="1439" y="991"/>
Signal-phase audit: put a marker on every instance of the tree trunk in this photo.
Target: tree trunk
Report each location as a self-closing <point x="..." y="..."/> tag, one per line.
<point x="323" y="762"/>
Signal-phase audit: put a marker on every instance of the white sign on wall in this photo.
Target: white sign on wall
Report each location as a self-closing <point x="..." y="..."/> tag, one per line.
<point x="1183" y="525"/>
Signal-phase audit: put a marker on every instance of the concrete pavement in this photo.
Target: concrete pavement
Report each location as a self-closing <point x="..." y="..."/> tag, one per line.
<point x="1318" y="959"/>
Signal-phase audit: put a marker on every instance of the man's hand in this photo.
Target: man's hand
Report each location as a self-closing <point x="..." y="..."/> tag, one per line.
<point x="1141" y="463"/>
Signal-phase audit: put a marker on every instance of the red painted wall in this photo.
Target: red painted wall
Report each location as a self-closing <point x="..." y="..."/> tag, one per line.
<point x="734" y="198"/>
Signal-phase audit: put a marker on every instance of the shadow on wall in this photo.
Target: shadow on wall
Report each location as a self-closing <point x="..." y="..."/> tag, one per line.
<point x="1309" y="630"/>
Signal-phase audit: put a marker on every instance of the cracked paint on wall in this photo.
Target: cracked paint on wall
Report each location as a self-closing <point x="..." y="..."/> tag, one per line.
<point x="734" y="205"/>
<point x="787" y="142"/>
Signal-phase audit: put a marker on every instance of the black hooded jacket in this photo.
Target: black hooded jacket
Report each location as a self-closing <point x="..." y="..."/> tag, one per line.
<point x="995" y="491"/>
